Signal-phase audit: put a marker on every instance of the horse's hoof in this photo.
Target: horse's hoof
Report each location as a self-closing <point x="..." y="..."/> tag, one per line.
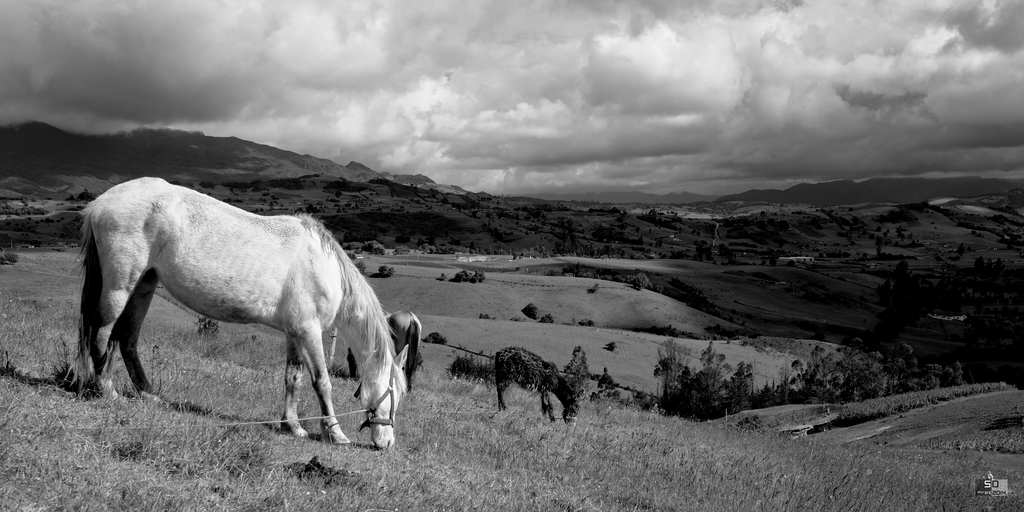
<point x="335" y="437"/>
<point x="294" y="432"/>
<point x="341" y="440"/>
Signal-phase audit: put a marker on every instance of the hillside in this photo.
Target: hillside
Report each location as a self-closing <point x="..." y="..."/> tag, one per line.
<point x="212" y="442"/>
<point x="628" y="197"/>
<point x="898" y="190"/>
<point x="54" y="160"/>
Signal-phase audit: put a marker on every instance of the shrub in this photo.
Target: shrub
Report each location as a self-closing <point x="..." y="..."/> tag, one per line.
<point x="594" y="289"/>
<point x="530" y="311"/>
<point x="373" y="247"/>
<point x="385" y="271"/>
<point x="610" y="346"/>
<point x="485" y="316"/>
<point x="752" y="423"/>
<point x="8" y="258"/>
<point x="641" y="281"/>
<point x="547" y="319"/>
<point x="443" y="277"/>
<point x="586" y="322"/>
<point x="207" y="326"/>
<point x="472" y="368"/>
<point x="361" y="266"/>
<point x="465" y="277"/>
<point x="436" y="338"/>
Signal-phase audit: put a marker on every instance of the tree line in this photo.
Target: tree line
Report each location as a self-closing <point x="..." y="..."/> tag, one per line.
<point x="846" y="375"/>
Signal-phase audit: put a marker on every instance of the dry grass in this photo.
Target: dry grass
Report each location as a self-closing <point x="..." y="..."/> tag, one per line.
<point x="868" y="410"/>
<point x="58" y="452"/>
<point x="454" y="452"/>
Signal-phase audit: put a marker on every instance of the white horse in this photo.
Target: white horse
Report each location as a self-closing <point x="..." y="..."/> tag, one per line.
<point x="286" y="272"/>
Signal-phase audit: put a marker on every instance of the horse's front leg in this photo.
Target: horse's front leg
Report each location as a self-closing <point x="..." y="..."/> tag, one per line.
<point x="330" y="429"/>
<point x="545" y="405"/>
<point x="292" y="383"/>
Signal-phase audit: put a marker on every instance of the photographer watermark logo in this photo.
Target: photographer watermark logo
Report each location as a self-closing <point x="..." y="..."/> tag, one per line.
<point x="991" y="486"/>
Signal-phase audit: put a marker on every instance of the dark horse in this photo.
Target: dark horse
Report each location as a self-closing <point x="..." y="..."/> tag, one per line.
<point x="406" y="327"/>
<point x="518" y="365"/>
<point x="405" y="332"/>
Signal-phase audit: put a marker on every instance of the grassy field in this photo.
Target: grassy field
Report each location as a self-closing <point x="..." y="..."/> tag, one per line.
<point x="454" y="451"/>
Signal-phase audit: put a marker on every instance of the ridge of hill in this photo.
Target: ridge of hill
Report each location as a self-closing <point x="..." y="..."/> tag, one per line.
<point x="39" y="158"/>
<point x="899" y="190"/>
<point x="629" y="196"/>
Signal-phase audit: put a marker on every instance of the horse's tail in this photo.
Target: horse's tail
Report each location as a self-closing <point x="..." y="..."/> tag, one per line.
<point x="412" y="343"/>
<point x="92" y="288"/>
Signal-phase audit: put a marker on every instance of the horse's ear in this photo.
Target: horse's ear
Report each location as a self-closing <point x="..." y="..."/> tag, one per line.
<point x="402" y="356"/>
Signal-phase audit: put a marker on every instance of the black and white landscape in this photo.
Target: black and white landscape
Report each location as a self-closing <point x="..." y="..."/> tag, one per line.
<point x="777" y="248"/>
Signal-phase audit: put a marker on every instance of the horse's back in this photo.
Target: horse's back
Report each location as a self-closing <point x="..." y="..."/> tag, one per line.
<point x="518" y="365"/>
<point x="219" y="260"/>
<point x="406" y="327"/>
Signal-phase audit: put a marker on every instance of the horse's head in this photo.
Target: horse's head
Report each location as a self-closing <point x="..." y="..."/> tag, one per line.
<point x="380" y="394"/>
<point x="570" y="392"/>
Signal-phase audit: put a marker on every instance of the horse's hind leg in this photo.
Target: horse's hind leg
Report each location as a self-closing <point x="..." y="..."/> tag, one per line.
<point x="103" y="300"/>
<point x="129" y="324"/>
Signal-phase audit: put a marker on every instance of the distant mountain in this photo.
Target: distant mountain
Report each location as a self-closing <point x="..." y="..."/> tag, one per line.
<point x="360" y="172"/>
<point x="898" y="190"/>
<point x="628" y="197"/>
<point x="406" y="179"/>
<point x="38" y="157"/>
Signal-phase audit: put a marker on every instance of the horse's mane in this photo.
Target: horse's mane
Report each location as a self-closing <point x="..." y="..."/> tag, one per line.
<point x="360" y="303"/>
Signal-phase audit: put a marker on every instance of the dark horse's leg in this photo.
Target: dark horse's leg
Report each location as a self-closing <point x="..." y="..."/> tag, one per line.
<point x="501" y="385"/>
<point x="545" y="405"/>
<point x="126" y="329"/>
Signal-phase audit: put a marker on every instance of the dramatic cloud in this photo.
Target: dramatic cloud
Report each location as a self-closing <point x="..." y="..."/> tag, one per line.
<point x="713" y="96"/>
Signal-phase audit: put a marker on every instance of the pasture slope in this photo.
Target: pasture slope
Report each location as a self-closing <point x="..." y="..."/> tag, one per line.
<point x="454" y="452"/>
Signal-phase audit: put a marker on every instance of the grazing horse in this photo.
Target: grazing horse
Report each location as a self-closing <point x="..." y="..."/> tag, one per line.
<point x="286" y="272"/>
<point x="406" y="329"/>
<point x="518" y="365"/>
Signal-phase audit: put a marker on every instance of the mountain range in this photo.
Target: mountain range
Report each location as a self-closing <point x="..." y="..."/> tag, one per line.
<point x="38" y="158"/>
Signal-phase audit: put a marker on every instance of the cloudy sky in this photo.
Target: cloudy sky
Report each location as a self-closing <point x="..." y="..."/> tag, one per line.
<point x="706" y="96"/>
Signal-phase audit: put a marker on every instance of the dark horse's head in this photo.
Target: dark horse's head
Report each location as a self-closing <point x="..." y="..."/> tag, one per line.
<point x="569" y="392"/>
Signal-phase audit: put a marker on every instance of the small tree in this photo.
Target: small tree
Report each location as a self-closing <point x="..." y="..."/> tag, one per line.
<point x="436" y="338"/>
<point x="577" y="372"/>
<point x="361" y="266"/>
<point x="385" y="271"/>
<point x="641" y="281"/>
<point x="531" y="311"/>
